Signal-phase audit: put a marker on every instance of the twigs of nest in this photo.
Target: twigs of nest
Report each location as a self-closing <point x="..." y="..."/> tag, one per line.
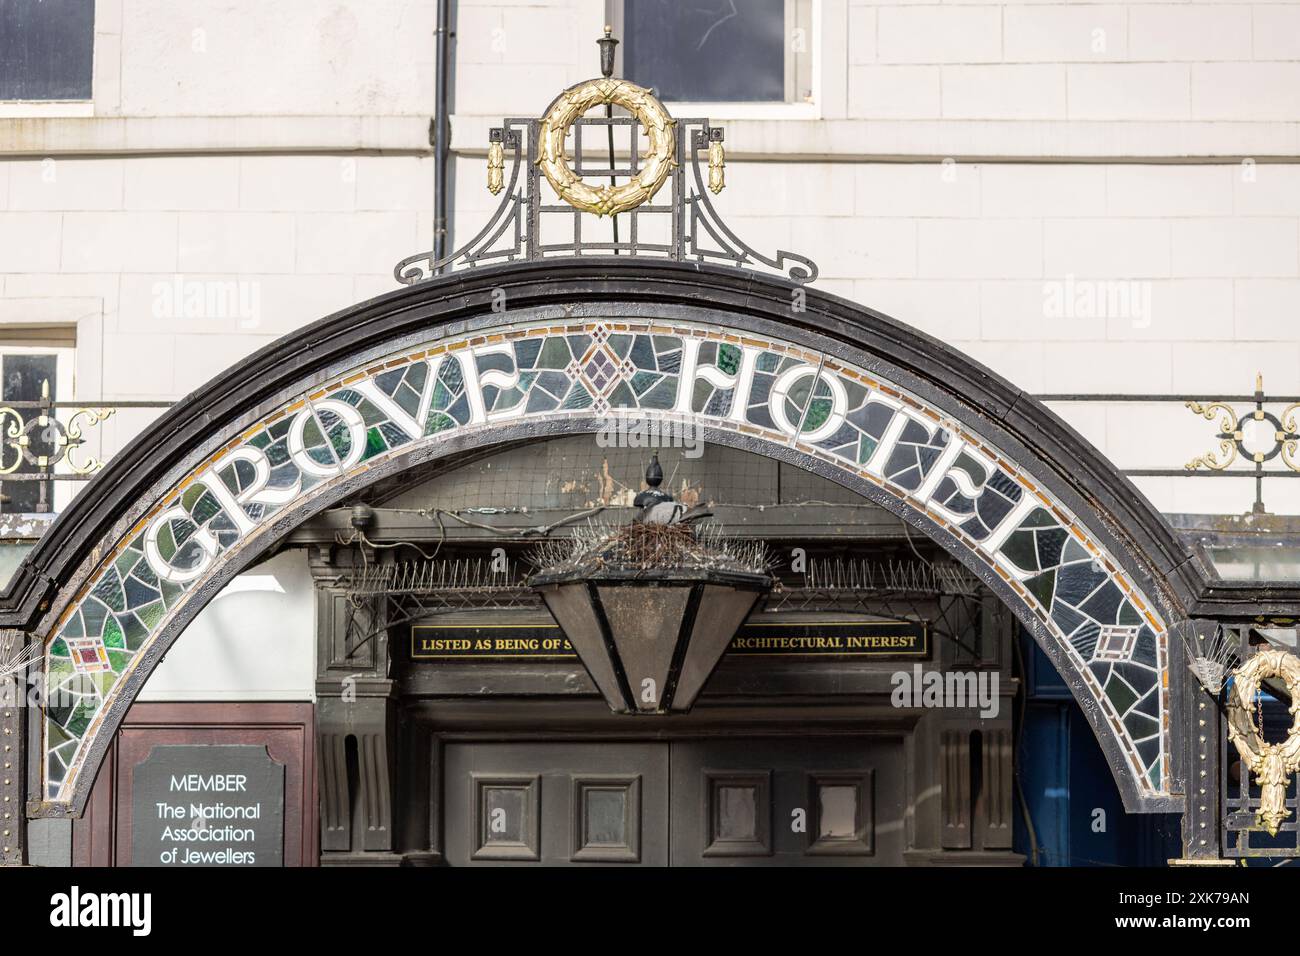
<point x="647" y="547"/>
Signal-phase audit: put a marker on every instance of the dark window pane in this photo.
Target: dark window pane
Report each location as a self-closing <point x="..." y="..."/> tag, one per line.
<point x="23" y="377"/>
<point x="504" y="815"/>
<point x="606" y="818"/>
<point x="737" y="814"/>
<point x="837" y="817"/>
<point x="706" y="50"/>
<point x="46" y="49"/>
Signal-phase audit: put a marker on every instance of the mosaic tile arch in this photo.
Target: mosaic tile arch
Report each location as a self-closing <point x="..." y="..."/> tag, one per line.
<point x="768" y="390"/>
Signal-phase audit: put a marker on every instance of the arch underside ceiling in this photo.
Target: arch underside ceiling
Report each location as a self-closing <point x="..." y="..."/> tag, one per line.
<point x="772" y="395"/>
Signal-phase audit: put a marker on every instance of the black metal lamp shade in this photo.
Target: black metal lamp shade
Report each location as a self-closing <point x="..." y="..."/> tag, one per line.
<point x="650" y="641"/>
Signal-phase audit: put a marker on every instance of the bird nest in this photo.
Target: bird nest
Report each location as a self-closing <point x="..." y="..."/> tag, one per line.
<point x="640" y="547"/>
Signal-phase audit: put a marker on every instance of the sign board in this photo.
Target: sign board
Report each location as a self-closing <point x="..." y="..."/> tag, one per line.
<point x="886" y="639"/>
<point x="536" y="642"/>
<point x="208" y="805"/>
<point x="492" y="642"/>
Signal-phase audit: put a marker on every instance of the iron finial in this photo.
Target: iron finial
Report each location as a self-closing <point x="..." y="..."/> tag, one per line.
<point x="607" y="44"/>
<point x="654" y="473"/>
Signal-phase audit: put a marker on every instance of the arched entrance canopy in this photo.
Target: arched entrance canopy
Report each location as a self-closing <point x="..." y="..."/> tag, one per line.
<point x="555" y="347"/>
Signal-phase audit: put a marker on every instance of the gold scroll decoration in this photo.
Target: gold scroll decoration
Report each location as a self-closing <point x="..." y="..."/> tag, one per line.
<point x="1272" y="764"/>
<point x="657" y="162"/>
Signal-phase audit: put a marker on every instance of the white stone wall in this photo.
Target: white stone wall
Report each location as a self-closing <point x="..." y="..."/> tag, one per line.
<point x="961" y="164"/>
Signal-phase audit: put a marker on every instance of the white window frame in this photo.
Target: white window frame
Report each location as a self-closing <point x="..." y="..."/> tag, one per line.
<point x="59" y="109"/>
<point x="718" y="110"/>
<point x="65" y="368"/>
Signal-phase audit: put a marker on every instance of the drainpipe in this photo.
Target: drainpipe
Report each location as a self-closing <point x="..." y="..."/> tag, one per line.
<point x="440" y="132"/>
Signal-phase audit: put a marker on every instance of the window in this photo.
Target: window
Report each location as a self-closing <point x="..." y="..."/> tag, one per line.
<point x="29" y="376"/>
<point x="46" y="49"/>
<point x="718" y="51"/>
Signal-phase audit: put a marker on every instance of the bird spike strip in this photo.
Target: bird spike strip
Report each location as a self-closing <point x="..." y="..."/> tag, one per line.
<point x="425" y="576"/>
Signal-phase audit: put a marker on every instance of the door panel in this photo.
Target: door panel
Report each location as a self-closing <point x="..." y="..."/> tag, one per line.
<point x="820" y="801"/>
<point x="738" y="801"/>
<point x="553" y="803"/>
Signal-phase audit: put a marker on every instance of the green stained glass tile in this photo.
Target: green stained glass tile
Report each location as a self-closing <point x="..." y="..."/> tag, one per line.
<point x="1128" y="614"/>
<point x="642" y="382"/>
<point x="151" y="614"/>
<point x="171" y="593"/>
<point x="1154" y="775"/>
<point x="191" y="496"/>
<point x="109" y="590"/>
<point x="622" y="397"/>
<point x="866" y="448"/>
<point x="768" y="361"/>
<point x="56" y="734"/>
<point x="76" y="626"/>
<point x="817" y="415"/>
<point x="1120" y="694"/>
<point x="81" y="717"/>
<point x="119" y="660"/>
<point x="1043" y="587"/>
<point x="278" y="453"/>
<point x="113" y="636"/>
<point x="375" y="443"/>
<point x="260" y="440"/>
<point x="577" y="398"/>
<point x="1021" y="551"/>
<point x="729" y="359"/>
<point x="136" y="632"/>
<point x="438" y="422"/>
<point x="54" y="772"/>
<point x="442" y="396"/>
<point x="555" y="353"/>
<point x="206" y="508"/>
<point x="104" y="681"/>
<point x="662" y="396"/>
<point x="1040" y="518"/>
<point x="126" y="561"/>
<point x="58" y="648"/>
<point x="700" y="395"/>
<point x="620" y="344"/>
<point x="451" y="374"/>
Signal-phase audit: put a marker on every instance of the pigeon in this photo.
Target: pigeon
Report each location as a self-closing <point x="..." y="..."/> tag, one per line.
<point x="672" y="512"/>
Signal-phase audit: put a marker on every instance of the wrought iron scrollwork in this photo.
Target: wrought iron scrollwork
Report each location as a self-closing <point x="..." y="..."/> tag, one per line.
<point x="1280" y="438"/>
<point x="529" y="223"/>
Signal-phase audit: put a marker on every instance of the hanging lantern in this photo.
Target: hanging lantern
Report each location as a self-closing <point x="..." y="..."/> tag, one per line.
<point x="651" y="607"/>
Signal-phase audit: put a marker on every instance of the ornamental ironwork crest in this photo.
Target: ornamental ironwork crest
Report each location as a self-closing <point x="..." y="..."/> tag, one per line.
<point x="538" y="167"/>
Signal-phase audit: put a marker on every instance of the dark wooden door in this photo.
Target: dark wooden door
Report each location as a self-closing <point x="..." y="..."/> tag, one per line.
<point x="734" y="801"/>
<point x="829" y="801"/>
<point x="557" y="803"/>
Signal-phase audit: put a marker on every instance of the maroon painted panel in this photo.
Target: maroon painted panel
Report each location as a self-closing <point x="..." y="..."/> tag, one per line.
<point x="102" y="837"/>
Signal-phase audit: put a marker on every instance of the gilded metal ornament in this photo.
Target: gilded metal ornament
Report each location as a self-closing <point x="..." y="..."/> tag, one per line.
<point x="717" y="167"/>
<point x="496" y="166"/>
<point x="657" y="162"/>
<point x="1272" y="764"/>
<point x="1229" y="434"/>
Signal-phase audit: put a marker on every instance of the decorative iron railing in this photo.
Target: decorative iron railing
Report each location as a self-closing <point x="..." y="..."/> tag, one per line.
<point x="545" y="206"/>
<point x="44" y="441"/>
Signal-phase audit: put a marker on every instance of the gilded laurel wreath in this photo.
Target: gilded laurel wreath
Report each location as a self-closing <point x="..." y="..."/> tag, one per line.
<point x="1272" y="764"/>
<point x="657" y="162"/>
